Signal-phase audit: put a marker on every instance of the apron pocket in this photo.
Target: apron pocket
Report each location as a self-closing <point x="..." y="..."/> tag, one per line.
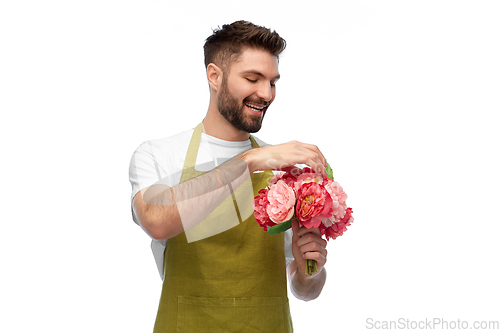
<point x="255" y="314"/>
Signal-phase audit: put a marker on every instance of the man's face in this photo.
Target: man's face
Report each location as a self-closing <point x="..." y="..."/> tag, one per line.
<point x="248" y="89"/>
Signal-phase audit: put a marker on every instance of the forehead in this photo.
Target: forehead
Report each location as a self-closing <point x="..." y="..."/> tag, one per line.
<point x="256" y="60"/>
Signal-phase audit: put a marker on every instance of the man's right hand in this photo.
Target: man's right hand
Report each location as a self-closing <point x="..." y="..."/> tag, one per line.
<point x="284" y="157"/>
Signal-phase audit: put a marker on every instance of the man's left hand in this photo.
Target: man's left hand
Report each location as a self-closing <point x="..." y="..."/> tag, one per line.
<point x="307" y="244"/>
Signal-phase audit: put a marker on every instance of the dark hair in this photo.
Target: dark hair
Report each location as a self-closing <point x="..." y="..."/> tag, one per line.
<point x="226" y="43"/>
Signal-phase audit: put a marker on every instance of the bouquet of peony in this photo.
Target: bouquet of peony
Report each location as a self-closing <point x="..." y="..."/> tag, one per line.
<point x="316" y="202"/>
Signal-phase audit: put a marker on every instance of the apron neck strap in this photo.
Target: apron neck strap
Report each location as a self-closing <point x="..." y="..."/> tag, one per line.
<point x="254" y="143"/>
<point x="194" y="145"/>
<point x="192" y="151"/>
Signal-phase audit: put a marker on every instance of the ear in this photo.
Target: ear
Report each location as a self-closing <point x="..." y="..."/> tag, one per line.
<point x="214" y="76"/>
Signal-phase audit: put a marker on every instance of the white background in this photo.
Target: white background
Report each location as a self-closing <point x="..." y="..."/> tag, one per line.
<point x="401" y="96"/>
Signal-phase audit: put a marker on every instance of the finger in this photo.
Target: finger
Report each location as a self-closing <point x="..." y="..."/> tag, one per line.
<point x="295" y="229"/>
<point x="303" y="230"/>
<point x="318" y="152"/>
<point x="321" y="157"/>
<point x="313" y="247"/>
<point x="298" y="153"/>
<point x="320" y="259"/>
<point x="308" y="154"/>
<point x="317" y="166"/>
<point x="310" y="238"/>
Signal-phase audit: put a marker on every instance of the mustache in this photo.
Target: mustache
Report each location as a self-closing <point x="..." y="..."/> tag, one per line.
<point x="256" y="101"/>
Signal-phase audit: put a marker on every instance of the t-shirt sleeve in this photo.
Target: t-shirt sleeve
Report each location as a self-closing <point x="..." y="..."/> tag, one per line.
<point x="288" y="247"/>
<point x="144" y="170"/>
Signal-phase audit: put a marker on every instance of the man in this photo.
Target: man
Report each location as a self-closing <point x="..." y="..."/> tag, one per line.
<point x="192" y="193"/>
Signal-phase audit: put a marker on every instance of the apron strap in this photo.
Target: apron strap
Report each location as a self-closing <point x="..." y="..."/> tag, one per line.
<point x="192" y="152"/>
<point x="254" y="143"/>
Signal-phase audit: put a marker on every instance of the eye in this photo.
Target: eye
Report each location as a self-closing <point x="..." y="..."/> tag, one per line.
<point x="253" y="81"/>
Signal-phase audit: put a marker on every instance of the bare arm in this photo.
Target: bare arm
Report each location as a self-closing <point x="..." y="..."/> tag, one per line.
<point x="165" y="212"/>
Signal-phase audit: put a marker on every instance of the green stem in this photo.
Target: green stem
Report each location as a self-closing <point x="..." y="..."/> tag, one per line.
<point x="311" y="266"/>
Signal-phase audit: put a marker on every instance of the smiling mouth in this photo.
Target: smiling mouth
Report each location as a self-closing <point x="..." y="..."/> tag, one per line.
<point x="256" y="107"/>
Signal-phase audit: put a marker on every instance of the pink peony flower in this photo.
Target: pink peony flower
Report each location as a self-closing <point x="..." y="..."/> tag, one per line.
<point x="338" y="201"/>
<point x="335" y="191"/>
<point x="338" y="211"/>
<point x="281" y="199"/>
<point x="313" y="204"/>
<point x="260" y="203"/>
<point x="307" y="178"/>
<point x="338" y="228"/>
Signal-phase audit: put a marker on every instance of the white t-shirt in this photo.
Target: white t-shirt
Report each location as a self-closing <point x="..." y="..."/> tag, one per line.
<point x="164" y="159"/>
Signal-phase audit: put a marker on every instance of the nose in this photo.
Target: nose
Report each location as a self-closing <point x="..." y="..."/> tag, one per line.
<point x="265" y="92"/>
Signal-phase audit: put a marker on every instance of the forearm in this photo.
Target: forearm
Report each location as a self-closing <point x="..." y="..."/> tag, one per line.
<point x="164" y="212"/>
<point x="305" y="287"/>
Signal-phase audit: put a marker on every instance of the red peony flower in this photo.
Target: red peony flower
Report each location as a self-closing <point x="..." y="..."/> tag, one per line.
<point x="287" y="177"/>
<point x="260" y="203"/>
<point x="276" y="177"/>
<point x="308" y="170"/>
<point x="313" y="204"/>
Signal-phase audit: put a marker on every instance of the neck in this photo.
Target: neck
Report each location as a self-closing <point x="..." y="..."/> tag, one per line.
<point x="217" y="126"/>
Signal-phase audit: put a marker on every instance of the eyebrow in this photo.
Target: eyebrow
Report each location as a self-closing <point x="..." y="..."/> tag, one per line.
<point x="251" y="71"/>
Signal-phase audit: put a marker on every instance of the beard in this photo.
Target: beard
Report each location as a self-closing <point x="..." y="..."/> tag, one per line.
<point x="235" y="114"/>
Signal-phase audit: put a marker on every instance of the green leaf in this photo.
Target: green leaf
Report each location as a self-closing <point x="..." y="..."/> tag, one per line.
<point x="329" y="171"/>
<point x="284" y="226"/>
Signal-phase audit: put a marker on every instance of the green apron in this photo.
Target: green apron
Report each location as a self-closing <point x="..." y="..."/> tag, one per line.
<point x="234" y="281"/>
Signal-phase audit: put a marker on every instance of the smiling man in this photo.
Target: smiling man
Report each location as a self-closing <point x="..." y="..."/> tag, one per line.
<point x="192" y="194"/>
<point x="251" y="73"/>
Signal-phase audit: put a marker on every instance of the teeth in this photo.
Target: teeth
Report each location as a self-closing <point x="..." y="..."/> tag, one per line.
<point x="255" y="107"/>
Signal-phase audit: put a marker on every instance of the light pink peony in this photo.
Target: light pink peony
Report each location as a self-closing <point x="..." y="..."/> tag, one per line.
<point x="335" y="191"/>
<point x="338" y="201"/>
<point x="281" y="202"/>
